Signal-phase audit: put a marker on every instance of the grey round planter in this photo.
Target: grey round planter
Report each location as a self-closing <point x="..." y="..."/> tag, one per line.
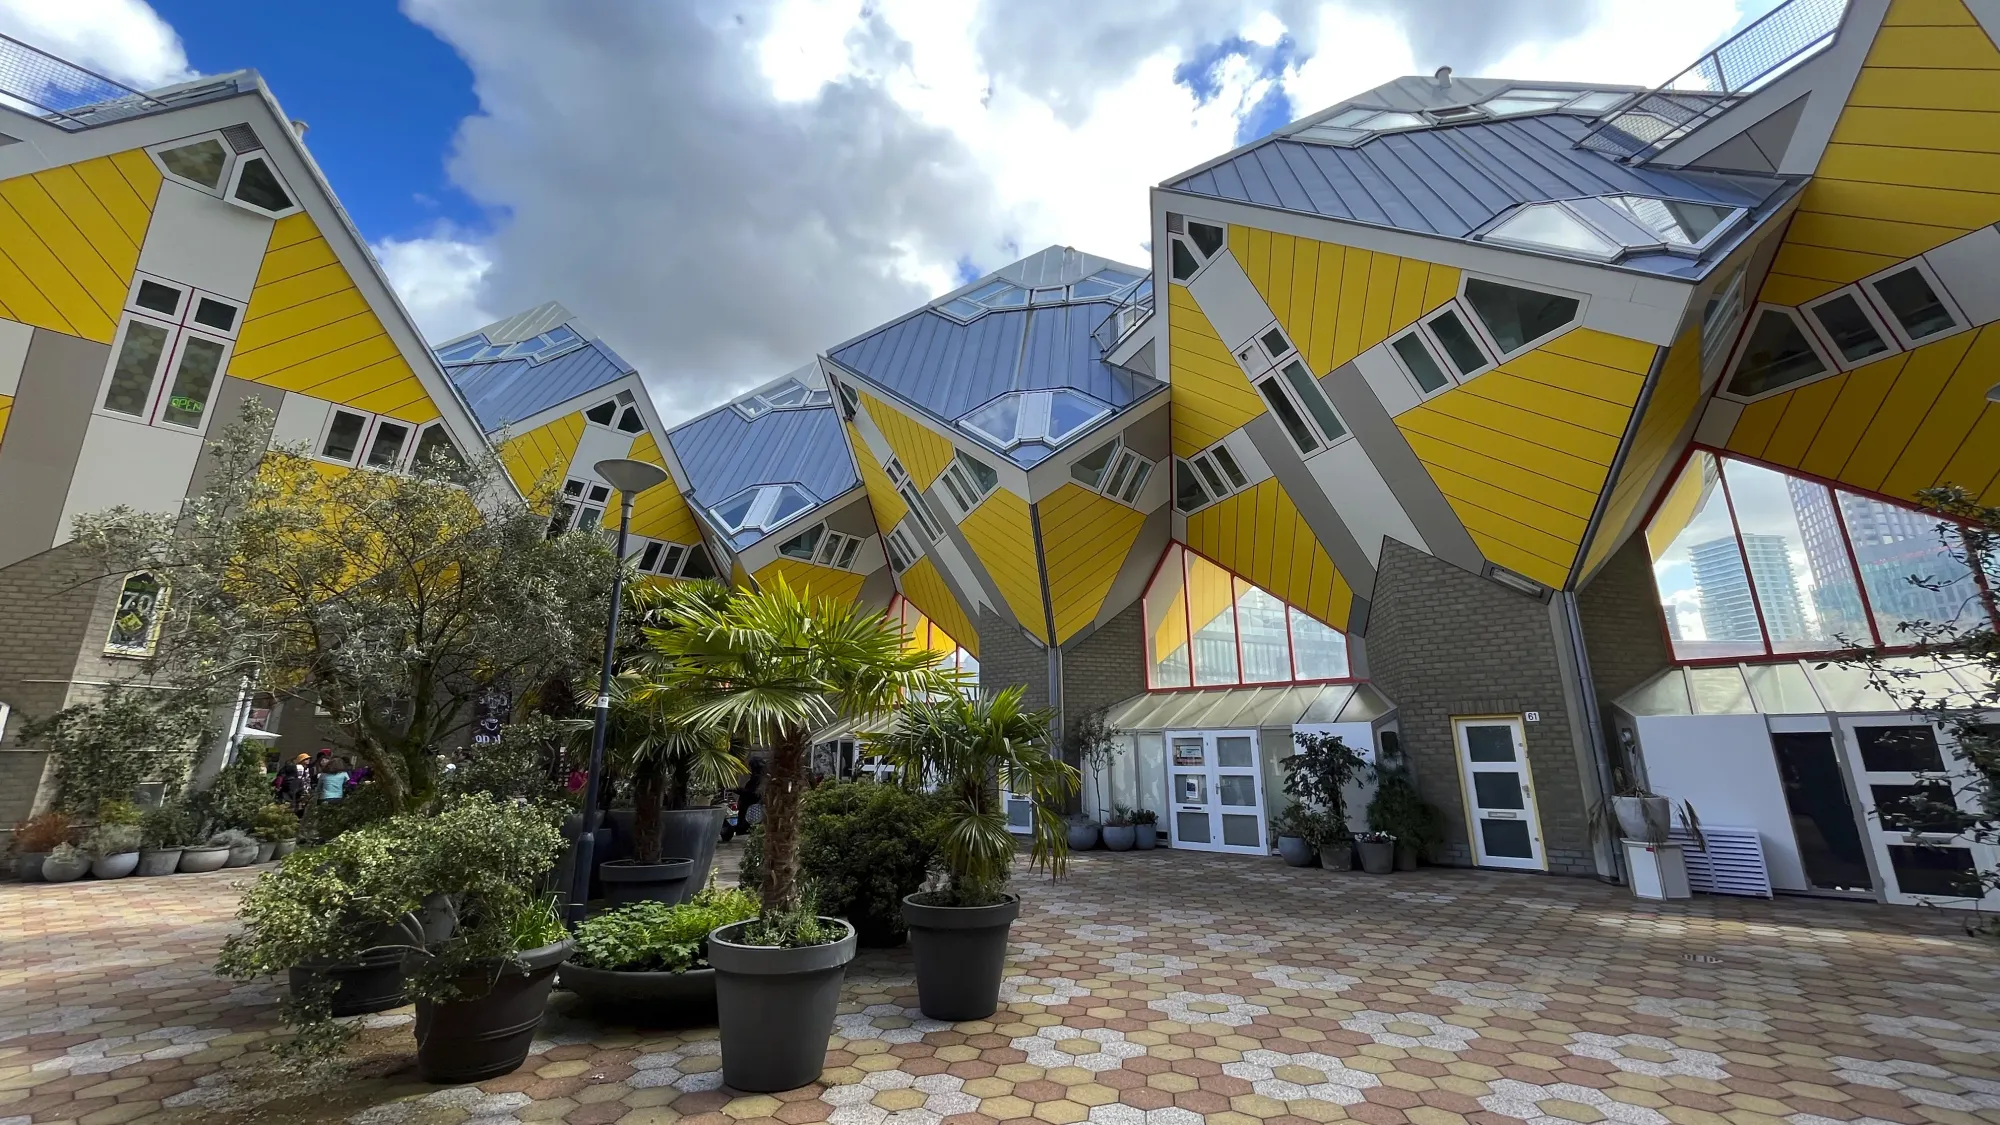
<point x="1082" y="835"/>
<point x="1378" y="857"/>
<point x="62" y="871"/>
<point x="1120" y="837"/>
<point x="28" y="866"/>
<point x="961" y="954"/>
<point x="159" y="861"/>
<point x="1296" y="851"/>
<point x="266" y="850"/>
<point x="1337" y="857"/>
<point x="1406" y="858"/>
<point x="473" y="1040"/>
<point x="776" y="1007"/>
<point x="204" y="857"/>
<point x="694" y="834"/>
<point x="673" y="998"/>
<point x="114" y="866"/>
<point x="627" y="881"/>
<point x="242" y="855"/>
<point x="285" y="848"/>
<point x="1145" y="837"/>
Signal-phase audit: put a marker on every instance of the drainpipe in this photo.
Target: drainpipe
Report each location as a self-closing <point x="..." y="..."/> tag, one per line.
<point x="1598" y="759"/>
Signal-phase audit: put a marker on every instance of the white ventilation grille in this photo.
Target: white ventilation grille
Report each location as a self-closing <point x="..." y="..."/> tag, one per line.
<point x="242" y="138"/>
<point x="1732" y="865"/>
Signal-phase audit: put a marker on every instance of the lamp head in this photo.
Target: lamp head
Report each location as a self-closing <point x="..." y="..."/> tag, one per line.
<point x="629" y="476"/>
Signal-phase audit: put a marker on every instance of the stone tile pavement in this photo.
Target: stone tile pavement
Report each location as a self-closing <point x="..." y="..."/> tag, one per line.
<point x="1146" y="989"/>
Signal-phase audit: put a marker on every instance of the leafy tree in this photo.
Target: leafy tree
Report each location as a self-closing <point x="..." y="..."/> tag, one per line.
<point x="1319" y="775"/>
<point x="773" y="667"/>
<point x="105" y="748"/>
<point x="1964" y="803"/>
<point x="395" y="600"/>
<point x="972" y="747"/>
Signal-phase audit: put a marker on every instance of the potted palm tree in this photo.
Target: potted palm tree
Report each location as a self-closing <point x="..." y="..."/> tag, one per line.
<point x="773" y="666"/>
<point x="973" y="748"/>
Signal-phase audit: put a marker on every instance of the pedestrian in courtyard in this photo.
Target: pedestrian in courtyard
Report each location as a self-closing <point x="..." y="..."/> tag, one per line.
<point x="333" y="781"/>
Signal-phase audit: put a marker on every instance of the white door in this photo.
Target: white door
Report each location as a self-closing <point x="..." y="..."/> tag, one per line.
<point x="1216" y="791"/>
<point x="1020" y="812"/>
<point x="1897" y="759"/>
<point x="1499" y="793"/>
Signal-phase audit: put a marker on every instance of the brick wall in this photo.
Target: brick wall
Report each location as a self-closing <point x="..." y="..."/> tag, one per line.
<point x="1108" y="666"/>
<point x="47" y="607"/>
<point x="1620" y="612"/>
<point x="1007" y="657"/>
<point x="1445" y="642"/>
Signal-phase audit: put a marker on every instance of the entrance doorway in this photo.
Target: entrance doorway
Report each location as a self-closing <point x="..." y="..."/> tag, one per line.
<point x="1216" y="791"/>
<point x="1499" y="794"/>
<point x="1830" y="846"/>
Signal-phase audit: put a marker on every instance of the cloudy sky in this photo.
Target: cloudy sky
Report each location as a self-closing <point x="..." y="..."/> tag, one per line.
<point x="724" y="187"/>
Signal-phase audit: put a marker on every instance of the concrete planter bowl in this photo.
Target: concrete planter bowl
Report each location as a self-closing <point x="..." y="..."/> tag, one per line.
<point x="628" y="881"/>
<point x="776" y="1007"/>
<point x="203" y="858"/>
<point x="64" y="870"/>
<point x="1120" y="837"/>
<point x="285" y="848"/>
<point x="1082" y="835"/>
<point x="1295" y="851"/>
<point x="473" y="1040"/>
<point x="114" y="866"/>
<point x="1145" y="837"/>
<point x="266" y="850"/>
<point x="676" y="999"/>
<point x="961" y="954"/>
<point x="159" y="861"/>
<point x="28" y="866"/>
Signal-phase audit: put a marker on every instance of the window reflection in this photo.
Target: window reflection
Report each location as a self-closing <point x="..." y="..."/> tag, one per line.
<point x="1206" y="627"/>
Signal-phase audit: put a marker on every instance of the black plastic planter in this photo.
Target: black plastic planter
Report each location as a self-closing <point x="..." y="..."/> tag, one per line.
<point x="961" y="954"/>
<point x="1378" y="857"/>
<point x="653" y="998"/>
<point x="372" y="982"/>
<point x="693" y="833"/>
<point x="776" y="1007"/>
<point x="473" y="1040"/>
<point x="626" y="880"/>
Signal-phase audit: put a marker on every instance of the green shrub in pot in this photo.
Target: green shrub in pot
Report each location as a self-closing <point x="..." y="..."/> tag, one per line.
<point x="275" y="822"/>
<point x="652" y="937"/>
<point x="863" y="846"/>
<point x="1318" y="775"/>
<point x="1398" y="810"/>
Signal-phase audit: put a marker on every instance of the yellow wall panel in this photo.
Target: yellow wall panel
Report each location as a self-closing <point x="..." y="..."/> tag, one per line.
<point x="1861" y="395"/>
<point x="922" y="451"/>
<point x="1805" y="412"/>
<point x="1210" y="395"/>
<point x="1903" y="408"/>
<point x="1676" y="399"/>
<point x="536" y="460"/>
<point x="1085" y="539"/>
<point x="1244" y="533"/>
<point x="1001" y="532"/>
<point x="926" y="589"/>
<point x="1336" y="302"/>
<point x="1755" y="426"/>
<point x="6" y="409"/>
<point x="69" y="242"/>
<point x="661" y="512"/>
<point x="883" y="499"/>
<point x="1960" y="405"/>
<point x="808" y="578"/>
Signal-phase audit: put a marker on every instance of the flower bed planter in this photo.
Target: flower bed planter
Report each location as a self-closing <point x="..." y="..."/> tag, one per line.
<point x="203" y="858"/>
<point x="159" y="861"/>
<point x="776" y="1007"/>
<point x="627" y="880"/>
<point x="473" y="1040"/>
<point x="1296" y="851"/>
<point x="28" y="866"/>
<point x="672" y="998"/>
<point x="114" y="866"/>
<point x="1120" y="837"/>
<point x="961" y="954"/>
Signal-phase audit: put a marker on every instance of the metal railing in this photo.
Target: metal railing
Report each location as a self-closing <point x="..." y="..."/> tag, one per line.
<point x="1776" y="42"/>
<point x="57" y="89"/>
<point x="1123" y="319"/>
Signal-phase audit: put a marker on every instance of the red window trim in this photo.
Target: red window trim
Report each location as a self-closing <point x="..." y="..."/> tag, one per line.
<point x="1187" y="614"/>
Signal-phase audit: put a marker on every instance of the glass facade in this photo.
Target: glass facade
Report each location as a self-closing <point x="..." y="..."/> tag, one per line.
<point x="1206" y="627"/>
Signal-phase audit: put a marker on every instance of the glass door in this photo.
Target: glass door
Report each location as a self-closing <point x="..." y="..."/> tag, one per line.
<point x="1830" y="846"/>
<point x="1919" y="804"/>
<point x="1499" y="798"/>
<point x="1217" y="792"/>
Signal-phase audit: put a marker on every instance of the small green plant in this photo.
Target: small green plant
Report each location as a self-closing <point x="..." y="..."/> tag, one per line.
<point x="231" y="838"/>
<point x="168" y="826"/>
<point x="234" y="798"/>
<point x="1397" y="809"/>
<point x="1121" y="817"/>
<point x="862" y="847"/>
<point x="67" y="853"/>
<point x="275" y="822"/>
<point x="1143" y="817"/>
<point x="795" y="928"/>
<point x="537" y="924"/>
<point x="114" y="839"/>
<point x="117" y="812"/>
<point x="1319" y="775"/>
<point x="41" y="833"/>
<point x="1302" y="822"/>
<point x="652" y="937"/>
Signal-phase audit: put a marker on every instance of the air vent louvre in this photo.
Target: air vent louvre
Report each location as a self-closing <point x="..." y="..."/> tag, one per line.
<point x="242" y="138"/>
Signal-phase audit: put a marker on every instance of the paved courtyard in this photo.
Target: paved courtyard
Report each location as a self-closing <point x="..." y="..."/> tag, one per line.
<point x="1146" y="989"/>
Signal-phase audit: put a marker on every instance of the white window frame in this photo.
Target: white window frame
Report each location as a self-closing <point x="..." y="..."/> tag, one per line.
<point x="1742" y="348"/>
<point x="1485" y="335"/>
<point x="833" y="549"/>
<point x="1463" y="312"/>
<point x="1430" y="346"/>
<point x="222" y="182"/>
<point x="1126" y="475"/>
<point x="410" y="461"/>
<point x="1275" y="369"/>
<point x="620" y="403"/>
<point x="914" y="500"/>
<point x="1212" y="461"/>
<point x="959" y="484"/>
<point x="1876" y="317"/>
<point x="668" y="564"/>
<point x="156" y="622"/>
<point x="180" y="328"/>
<point x="1960" y="322"/>
<point x="578" y="502"/>
<point x="1731" y="313"/>
<point x="236" y="167"/>
<point x="900" y="544"/>
<point x="1186" y="238"/>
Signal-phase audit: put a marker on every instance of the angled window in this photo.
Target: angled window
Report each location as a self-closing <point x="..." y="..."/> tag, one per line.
<point x="168" y="356"/>
<point x="850" y="401"/>
<point x="1207" y="477"/>
<point x="385" y="446"/>
<point x="342" y="440"/>
<point x="196" y="366"/>
<point x="463" y="351"/>
<point x="1597" y="101"/>
<point x="649" y="556"/>
<point x="1288" y="414"/>
<point x="1777" y="354"/>
<point x="200" y="162"/>
<point x="604" y="413"/>
<point x="1551" y="226"/>
<point x="1677" y="223"/>
<point x="1457" y="342"/>
<point x="1190" y="495"/>
<point x="1516" y="319"/>
<point x="1423" y="367"/>
<point x="580" y="507"/>
<point x="1192" y="245"/>
<point x="138" y="616"/>
<point x="969" y="480"/>
<point x="902" y="550"/>
<point x="434" y="447"/>
<point x="1088" y="470"/>
<point x="256" y="185"/>
<point x="1208" y="238"/>
<point x="1181" y="260"/>
<point x="698" y="564"/>
<point x="1850" y="327"/>
<point x="1128" y="477"/>
<point x="839" y="550"/>
<point x="919" y="510"/>
<point x="804" y="545"/>
<point x="158" y="297"/>
<point x="1044" y="418"/>
<point x="789" y="394"/>
<point x="1919" y="308"/>
<point x="1527" y="100"/>
<point x="135" y="367"/>
<point x="629" y="421"/>
<point x="1298" y="402"/>
<point x="1206" y="627"/>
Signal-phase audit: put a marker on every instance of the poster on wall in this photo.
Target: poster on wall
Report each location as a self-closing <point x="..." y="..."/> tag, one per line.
<point x="1187" y="752"/>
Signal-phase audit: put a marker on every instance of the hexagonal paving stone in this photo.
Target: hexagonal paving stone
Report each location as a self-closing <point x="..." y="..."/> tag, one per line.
<point x="1410" y="1029"/>
<point x="1207" y="1007"/>
<point x="1563" y="1102"/>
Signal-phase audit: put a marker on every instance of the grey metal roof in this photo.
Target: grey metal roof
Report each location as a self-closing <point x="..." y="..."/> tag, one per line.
<point x="724" y="453"/>
<point x="503" y="392"/>
<point x="523" y="325"/>
<point x="1454" y="180"/>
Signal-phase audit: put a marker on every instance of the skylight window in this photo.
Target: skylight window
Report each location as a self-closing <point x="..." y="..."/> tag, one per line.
<point x="1046" y="417"/>
<point x="788" y="395"/>
<point x="1677" y="223"/>
<point x="1598" y="101"/>
<point x="1551" y="226"/>
<point x="761" y="508"/>
<point x="1104" y="283"/>
<point x="1389" y="120"/>
<point x="1606" y="228"/>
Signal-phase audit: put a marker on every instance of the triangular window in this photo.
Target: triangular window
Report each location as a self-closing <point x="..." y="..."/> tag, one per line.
<point x="1206" y="627"/>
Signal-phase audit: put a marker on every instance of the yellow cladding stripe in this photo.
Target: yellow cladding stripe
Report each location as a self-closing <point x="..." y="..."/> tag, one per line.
<point x="882" y="496"/>
<point x="1001" y="533"/>
<point x="1260" y="535"/>
<point x="1913" y="162"/>
<point x="537" y="459"/>
<point x="309" y="329"/>
<point x="1209" y="395"/>
<point x="1896" y="426"/>
<point x="1085" y="539"/>
<point x="808" y="578"/>
<point x="69" y="242"/>
<point x="923" y="453"/>
<point x="1521" y="457"/>
<point x="1306" y="283"/>
<point x="1675" y="400"/>
<point x="1678" y="506"/>
<point x="6" y="410"/>
<point x="925" y="588"/>
<point x="661" y="512"/>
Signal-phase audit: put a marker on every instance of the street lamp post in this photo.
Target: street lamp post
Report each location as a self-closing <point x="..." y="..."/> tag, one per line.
<point x="630" y="478"/>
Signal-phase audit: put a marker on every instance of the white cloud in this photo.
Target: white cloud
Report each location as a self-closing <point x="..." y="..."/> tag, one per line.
<point x="1626" y="44"/>
<point x="439" y="279"/>
<point x="123" y="40"/>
